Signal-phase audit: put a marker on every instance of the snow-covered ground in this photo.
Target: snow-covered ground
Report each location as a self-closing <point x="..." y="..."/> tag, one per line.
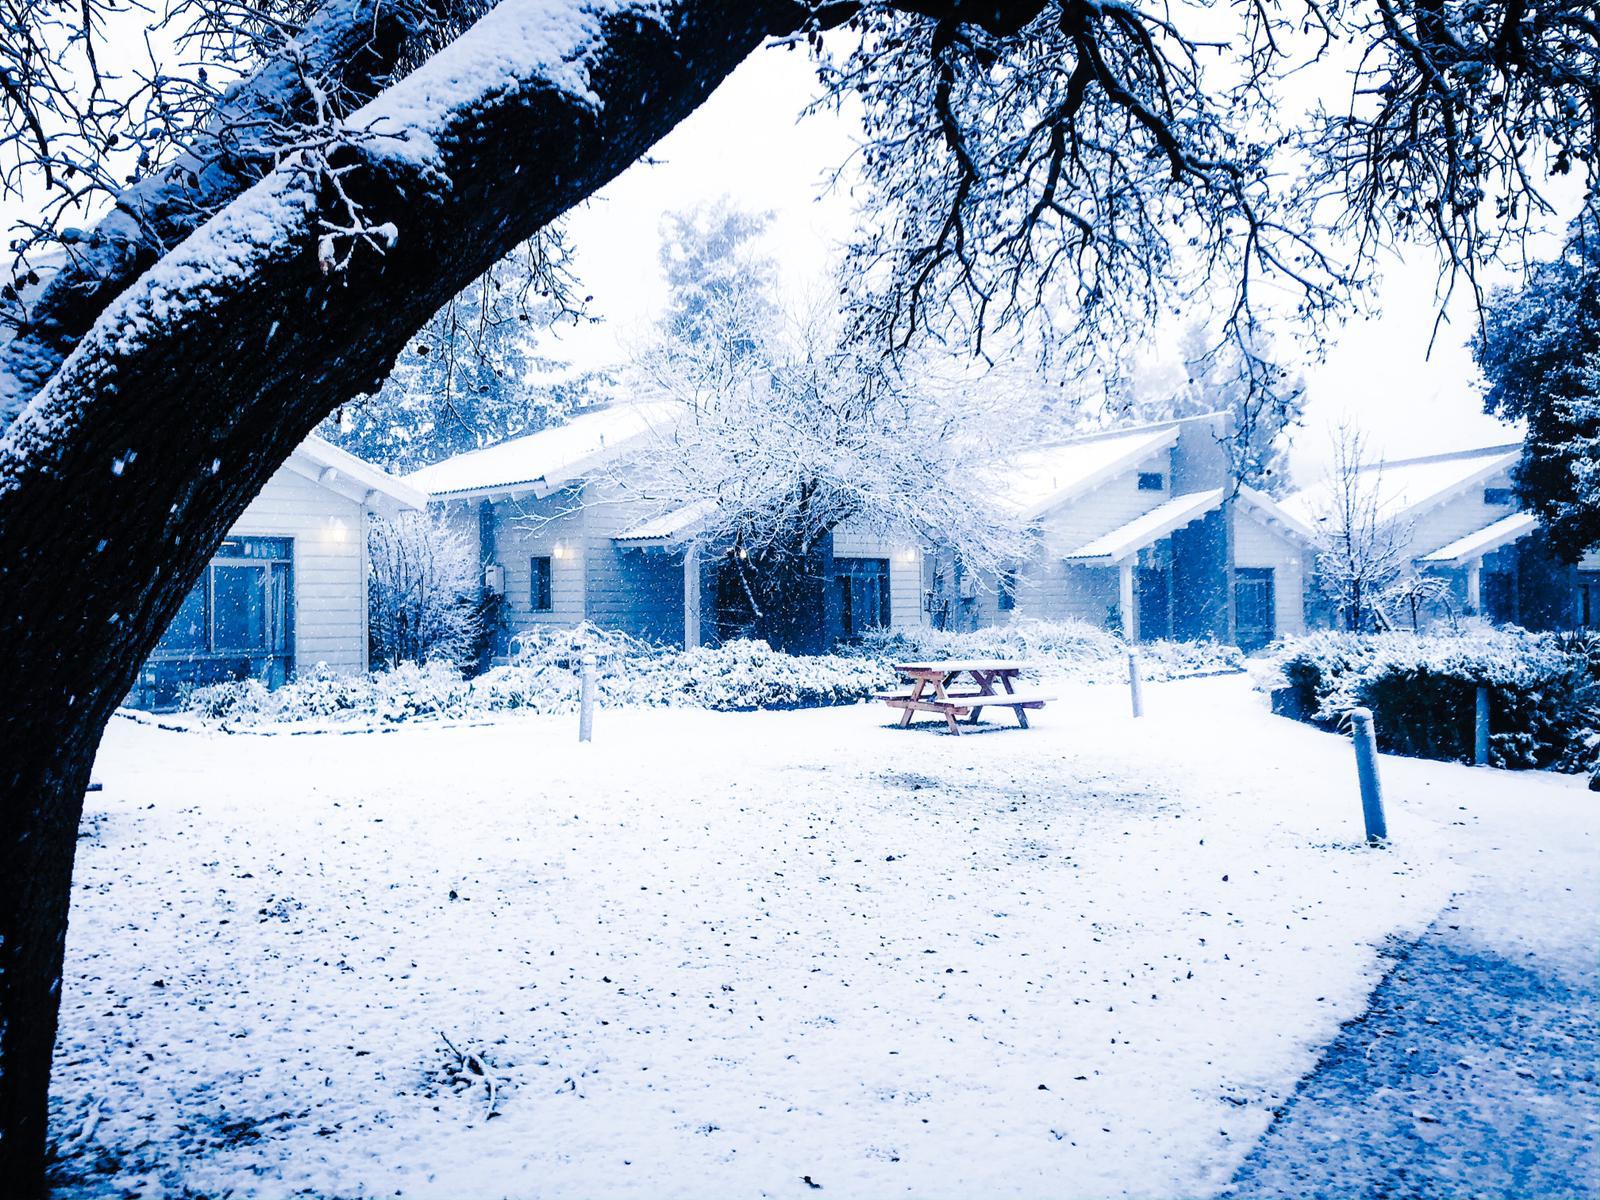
<point x="737" y="954"/>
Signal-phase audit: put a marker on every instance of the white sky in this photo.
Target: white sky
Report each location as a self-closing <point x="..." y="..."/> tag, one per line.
<point x="748" y="142"/>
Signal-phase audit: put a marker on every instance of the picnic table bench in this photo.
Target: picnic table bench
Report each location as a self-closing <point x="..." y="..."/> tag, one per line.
<point x="931" y="683"/>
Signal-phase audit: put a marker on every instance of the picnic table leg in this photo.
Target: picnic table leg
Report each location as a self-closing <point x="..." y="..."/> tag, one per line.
<point x="985" y="682"/>
<point x="1022" y="716"/>
<point x="916" y="694"/>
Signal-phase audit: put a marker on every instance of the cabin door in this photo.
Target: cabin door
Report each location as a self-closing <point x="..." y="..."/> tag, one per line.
<point x="1255" y="608"/>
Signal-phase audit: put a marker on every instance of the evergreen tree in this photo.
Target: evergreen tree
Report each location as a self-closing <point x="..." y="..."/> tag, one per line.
<point x="1540" y="348"/>
<point x="472" y="376"/>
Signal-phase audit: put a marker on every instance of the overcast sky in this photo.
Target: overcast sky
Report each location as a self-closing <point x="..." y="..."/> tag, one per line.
<point x="750" y="143"/>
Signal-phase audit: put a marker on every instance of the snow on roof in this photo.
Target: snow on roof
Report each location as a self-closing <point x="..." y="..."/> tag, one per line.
<point x="342" y="472"/>
<point x="1035" y="481"/>
<point x="1412" y="485"/>
<point x="543" y="461"/>
<point x="1147" y="528"/>
<point x="668" y="526"/>
<point x="1483" y="541"/>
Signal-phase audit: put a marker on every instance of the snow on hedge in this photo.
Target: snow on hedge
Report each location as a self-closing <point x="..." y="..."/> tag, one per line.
<point x="737" y="676"/>
<point x="1544" y="691"/>
<point x="1072" y="649"/>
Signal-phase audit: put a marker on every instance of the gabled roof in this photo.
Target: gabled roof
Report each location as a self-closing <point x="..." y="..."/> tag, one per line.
<point x="542" y="462"/>
<point x="1483" y="541"/>
<point x="1037" y="480"/>
<point x="669" y="527"/>
<point x="354" y="478"/>
<point x="1412" y="486"/>
<point x="1145" y="530"/>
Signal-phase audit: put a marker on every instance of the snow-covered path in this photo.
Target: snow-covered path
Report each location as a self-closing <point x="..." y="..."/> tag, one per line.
<point x="717" y="954"/>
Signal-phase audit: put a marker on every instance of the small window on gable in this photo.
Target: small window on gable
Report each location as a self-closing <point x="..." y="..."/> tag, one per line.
<point x="1499" y="496"/>
<point x="1152" y="481"/>
<point x="539" y="591"/>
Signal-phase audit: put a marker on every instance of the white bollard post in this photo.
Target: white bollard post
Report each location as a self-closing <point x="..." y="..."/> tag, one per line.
<point x="1135" y="685"/>
<point x="585" y="697"/>
<point x="1480" y="729"/>
<point x="1366" y="744"/>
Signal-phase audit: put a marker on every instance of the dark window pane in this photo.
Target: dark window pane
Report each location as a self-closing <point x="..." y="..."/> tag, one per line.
<point x="282" y="609"/>
<point x="1498" y="496"/>
<point x="541" y="597"/>
<point x="1152" y="481"/>
<point x="187" y="633"/>
<point x="863" y="593"/>
<point x="240" y="605"/>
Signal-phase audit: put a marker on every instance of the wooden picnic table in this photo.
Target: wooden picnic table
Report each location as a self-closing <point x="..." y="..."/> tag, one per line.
<point x="987" y="677"/>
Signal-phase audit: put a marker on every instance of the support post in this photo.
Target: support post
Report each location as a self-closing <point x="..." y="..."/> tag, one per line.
<point x="1135" y="685"/>
<point x="1366" y="744"/>
<point x="585" y="697"/>
<point x="691" y="596"/>
<point x="1480" y="738"/>
<point x="1475" y="587"/>
<point x="1125" y="601"/>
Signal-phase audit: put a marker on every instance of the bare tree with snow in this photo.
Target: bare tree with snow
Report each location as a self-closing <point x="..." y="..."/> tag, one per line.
<point x="1361" y="551"/>
<point x="791" y="430"/>
<point x="422" y="588"/>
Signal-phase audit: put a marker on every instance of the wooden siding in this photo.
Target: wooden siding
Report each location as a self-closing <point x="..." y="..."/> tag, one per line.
<point x="1258" y="545"/>
<point x="330" y="566"/>
<point x="1054" y="590"/>
<point x="1458" y="517"/>
<point x="905" y="570"/>
<point x="552" y="528"/>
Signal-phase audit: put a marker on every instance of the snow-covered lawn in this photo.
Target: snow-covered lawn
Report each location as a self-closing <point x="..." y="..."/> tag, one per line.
<point x="722" y="954"/>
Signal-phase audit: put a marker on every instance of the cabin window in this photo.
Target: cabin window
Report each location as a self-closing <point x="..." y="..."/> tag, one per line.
<point x="1499" y="496"/>
<point x="540" y="596"/>
<point x="863" y="591"/>
<point x="237" y="622"/>
<point x="1006" y="599"/>
<point x="1152" y="481"/>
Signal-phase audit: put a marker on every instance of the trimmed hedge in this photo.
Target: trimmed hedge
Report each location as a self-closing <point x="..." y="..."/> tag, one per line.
<point x="1544" y="692"/>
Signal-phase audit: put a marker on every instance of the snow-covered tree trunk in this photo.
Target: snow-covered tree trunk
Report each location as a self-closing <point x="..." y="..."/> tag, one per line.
<point x="194" y="386"/>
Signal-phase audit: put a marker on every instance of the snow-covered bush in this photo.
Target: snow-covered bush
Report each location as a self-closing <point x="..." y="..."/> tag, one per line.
<point x="736" y="676"/>
<point x="543" y="677"/>
<point x="1544" y="691"/>
<point x="1074" y="649"/>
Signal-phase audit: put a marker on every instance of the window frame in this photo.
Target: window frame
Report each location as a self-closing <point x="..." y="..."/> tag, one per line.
<point x="541" y="583"/>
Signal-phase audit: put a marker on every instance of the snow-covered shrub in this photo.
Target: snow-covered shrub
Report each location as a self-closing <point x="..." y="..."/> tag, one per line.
<point x="543" y="677"/>
<point x="1074" y="649"/>
<point x="1544" y="691"/>
<point x="738" y="675"/>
